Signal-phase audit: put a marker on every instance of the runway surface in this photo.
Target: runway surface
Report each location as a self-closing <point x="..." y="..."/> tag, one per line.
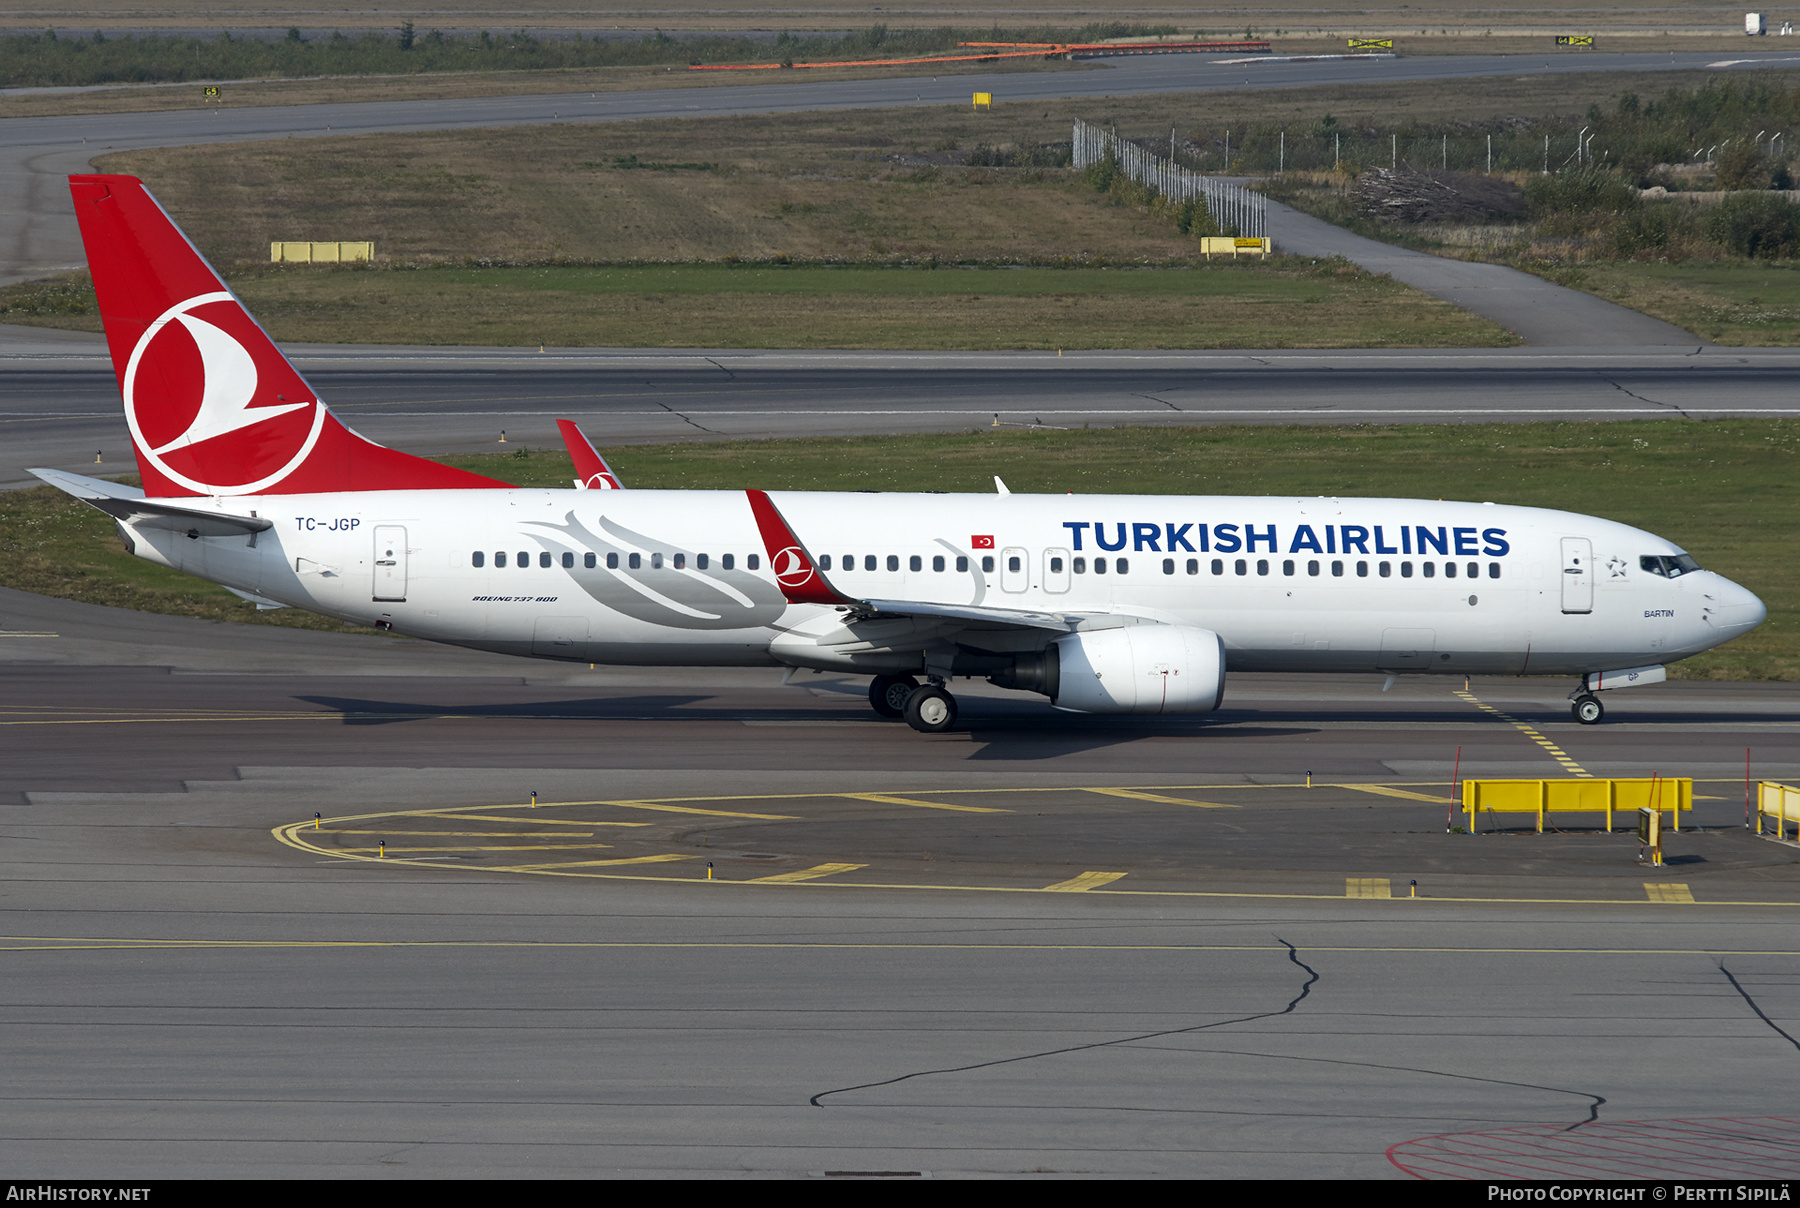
<point x="1039" y="945"/>
<point x="38" y="233"/>
<point x="59" y="399"/>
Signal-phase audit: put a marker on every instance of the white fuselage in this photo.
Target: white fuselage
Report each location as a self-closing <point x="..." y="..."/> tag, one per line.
<point x="681" y="577"/>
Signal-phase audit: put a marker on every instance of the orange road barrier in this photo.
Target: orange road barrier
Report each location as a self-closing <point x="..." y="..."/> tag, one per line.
<point x="1028" y="50"/>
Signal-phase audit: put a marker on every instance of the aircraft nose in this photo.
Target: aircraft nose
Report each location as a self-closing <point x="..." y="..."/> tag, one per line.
<point x="1731" y="609"/>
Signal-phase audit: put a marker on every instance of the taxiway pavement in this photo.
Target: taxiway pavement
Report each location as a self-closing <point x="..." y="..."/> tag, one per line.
<point x="876" y="980"/>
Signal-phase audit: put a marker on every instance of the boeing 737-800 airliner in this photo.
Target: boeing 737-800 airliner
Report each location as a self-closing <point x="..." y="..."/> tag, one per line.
<point x="1102" y="603"/>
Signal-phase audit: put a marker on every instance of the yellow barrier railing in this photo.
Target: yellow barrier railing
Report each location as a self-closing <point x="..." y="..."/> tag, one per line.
<point x="1609" y="797"/>
<point x="984" y="100"/>
<point x="1226" y="245"/>
<point x="321" y="253"/>
<point x="1780" y="804"/>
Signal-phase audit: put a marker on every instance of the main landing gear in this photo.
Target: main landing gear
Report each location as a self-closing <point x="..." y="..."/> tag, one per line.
<point x="927" y="708"/>
<point x="1587" y="709"/>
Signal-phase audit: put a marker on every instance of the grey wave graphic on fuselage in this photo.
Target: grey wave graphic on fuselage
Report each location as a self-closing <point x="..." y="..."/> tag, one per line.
<point x="679" y="599"/>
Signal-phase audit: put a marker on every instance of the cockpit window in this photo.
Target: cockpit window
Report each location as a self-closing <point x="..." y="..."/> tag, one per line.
<point x="1670" y="567"/>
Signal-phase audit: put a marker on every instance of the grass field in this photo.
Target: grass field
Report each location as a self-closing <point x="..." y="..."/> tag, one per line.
<point x="1737" y="303"/>
<point x="786" y="306"/>
<point x="1724" y="490"/>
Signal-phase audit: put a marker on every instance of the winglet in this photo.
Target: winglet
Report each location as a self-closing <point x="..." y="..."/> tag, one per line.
<point x="591" y="468"/>
<point x="794" y="568"/>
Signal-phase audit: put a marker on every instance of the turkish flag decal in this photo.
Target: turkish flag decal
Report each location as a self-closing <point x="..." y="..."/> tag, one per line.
<point x="979" y="542"/>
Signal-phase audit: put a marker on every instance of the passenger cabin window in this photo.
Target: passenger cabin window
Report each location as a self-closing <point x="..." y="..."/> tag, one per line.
<point x="499" y="558"/>
<point x="962" y="565"/>
<point x="752" y="561"/>
<point x="524" y="559"/>
<point x="1312" y="567"/>
<point x="587" y="560"/>
<point x="1099" y="566"/>
<point x="1218" y="566"/>
<point x="568" y="561"/>
<point x="1406" y="570"/>
<point x="1362" y="570"/>
<point x="1241" y="567"/>
<point x="1168" y="566"/>
<point x="987" y="564"/>
<point x="1493" y="570"/>
<point x="727" y="561"/>
<point x="1121" y="566"/>
<point x="1287" y="567"/>
<point x="824" y="561"/>
<point x="1449" y="570"/>
<point x="656" y="561"/>
<point x="1337" y="570"/>
<point x="544" y="560"/>
<point x="700" y="561"/>
<point x="868" y="561"/>
<point x="1056" y="565"/>
<point x="937" y="564"/>
<point x="915" y="563"/>
<point x="1385" y="570"/>
<point x="1080" y="566"/>
<point x="1014" y="563"/>
<point x="1474" y="570"/>
<point x="612" y="562"/>
<point x="1430" y="569"/>
<point x="1262" y="566"/>
<point x="477" y="558"/>
<point x="680" y="561"/>
<point x="635" y="561"/>
<point x="893" y="562"/>
<point x="1193" y="566"/>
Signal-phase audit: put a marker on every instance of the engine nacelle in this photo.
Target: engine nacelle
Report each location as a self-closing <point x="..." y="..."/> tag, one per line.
<point x="1140" y="669"/>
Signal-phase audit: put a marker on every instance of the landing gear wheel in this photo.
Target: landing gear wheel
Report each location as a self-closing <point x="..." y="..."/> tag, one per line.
<point x="930" y="710"/>
<point x="888" y="693"/>
<point x="1588" y="710"/>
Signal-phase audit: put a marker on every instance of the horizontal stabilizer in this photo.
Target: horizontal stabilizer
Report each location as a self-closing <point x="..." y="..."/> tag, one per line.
<point x="129" y="505"/>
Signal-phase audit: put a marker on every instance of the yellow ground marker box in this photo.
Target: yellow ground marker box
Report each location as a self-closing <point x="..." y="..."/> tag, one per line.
<point x="321" y="253"/>
<point x="1609" y="797"/>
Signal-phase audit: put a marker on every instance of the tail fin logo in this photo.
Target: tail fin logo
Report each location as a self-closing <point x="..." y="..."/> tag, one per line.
<point x="791" y="567"/>
<point x="203" y="411"/>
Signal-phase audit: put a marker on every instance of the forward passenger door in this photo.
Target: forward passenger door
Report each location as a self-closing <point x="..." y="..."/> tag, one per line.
<point x="1577" y="575"/>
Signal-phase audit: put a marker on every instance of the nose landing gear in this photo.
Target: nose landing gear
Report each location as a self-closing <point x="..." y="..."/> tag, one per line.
<point x="1587" y="709"/>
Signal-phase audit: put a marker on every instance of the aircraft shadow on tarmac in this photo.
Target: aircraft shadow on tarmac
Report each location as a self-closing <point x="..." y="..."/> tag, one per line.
<point x="1003" y="730"/>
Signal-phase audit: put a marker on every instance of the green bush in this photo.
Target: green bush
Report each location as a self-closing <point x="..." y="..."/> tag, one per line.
<point x="1763" y="226"/>
<point x="1581" y="191"/>
<point x="1645" y="229"/>
<point x="1742" y="167"/>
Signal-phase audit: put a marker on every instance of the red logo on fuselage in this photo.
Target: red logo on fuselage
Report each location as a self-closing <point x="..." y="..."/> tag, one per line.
<point x="212" y="404"/>
<point x="985" y="542"/>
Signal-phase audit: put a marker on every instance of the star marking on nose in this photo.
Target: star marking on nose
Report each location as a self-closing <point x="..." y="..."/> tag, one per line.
<point x="1617" y="566"/>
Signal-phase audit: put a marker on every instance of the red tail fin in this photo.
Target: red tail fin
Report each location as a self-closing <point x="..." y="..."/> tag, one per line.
<point x="592" y="472"/>
<point x="213" y="406"/>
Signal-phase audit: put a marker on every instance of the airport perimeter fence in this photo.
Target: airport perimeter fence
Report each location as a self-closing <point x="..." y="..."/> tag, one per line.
<point x="1234" y="209"/>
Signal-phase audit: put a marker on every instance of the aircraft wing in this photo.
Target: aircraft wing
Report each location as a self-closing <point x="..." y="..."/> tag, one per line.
<point x="1061" y="622"/>
<point x="128" y="504"/>
<point x="800" y="577"/>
